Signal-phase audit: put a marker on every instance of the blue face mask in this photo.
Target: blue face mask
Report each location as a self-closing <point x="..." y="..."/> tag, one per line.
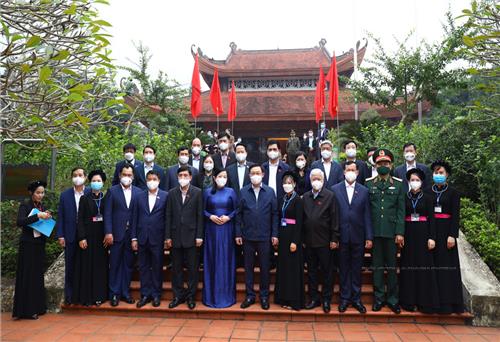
<point x="439" y="179"/>
<point x="96" y="186"/>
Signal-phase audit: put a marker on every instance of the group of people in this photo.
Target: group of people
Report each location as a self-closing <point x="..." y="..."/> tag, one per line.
<point x="221" y="211"/>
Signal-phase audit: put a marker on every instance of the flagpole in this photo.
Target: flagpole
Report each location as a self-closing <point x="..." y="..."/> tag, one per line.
<point x="195" y="119"/>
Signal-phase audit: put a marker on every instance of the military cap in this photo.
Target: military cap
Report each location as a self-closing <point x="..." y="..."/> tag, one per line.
<point x="383" y="154"/>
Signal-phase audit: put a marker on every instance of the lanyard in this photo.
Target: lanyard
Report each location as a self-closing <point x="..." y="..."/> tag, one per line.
<point x="438" y="192"/>
<point x="286" y="203"/>
<point x="415" y="202"/>
<point x="98" y="203"/>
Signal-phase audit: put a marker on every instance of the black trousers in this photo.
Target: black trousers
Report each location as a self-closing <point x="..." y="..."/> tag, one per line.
<point x="262" y="248"/>
<point x="320" y="257"/>
<point x="189" y="255"/>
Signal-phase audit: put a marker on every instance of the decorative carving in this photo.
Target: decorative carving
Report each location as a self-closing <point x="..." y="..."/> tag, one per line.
<point x="322" y="43"/>
<point x="275" y="84"/>
<point x="233" y="46"/>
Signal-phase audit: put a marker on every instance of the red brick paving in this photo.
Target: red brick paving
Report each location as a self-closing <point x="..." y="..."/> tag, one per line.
<point x="85" y="327"/>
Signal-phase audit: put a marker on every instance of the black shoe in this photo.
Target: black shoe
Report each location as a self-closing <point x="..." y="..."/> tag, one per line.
<point x="191" y="303"/>
<point x="247" y="302"/>
<point x="360" y="307"/>
<point x="394" y="308"/>
<point x="67" y="301"/>
<point x="326" y="306"/>
<point x="312" y="304"/>
<point x="175" y="302"/>
<point x="35" y="317"/>
<point x="98" y="303"/>
<point x="143" y="301"/>
<point x="156" y="302"/>
<point x="128" y="300"/>
<point x="264" y="304"/>
<point x="343" y="307"/>
<point x="114" y="301"/>
<point x="377" y="306"/>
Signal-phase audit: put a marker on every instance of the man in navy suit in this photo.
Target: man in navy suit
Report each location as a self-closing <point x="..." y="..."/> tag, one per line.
<point x="238" y="175"/>
<point x="274" y="169"/>
<point x="351" y="151"/>
<point x="331" y="169"/>
<point x="410" y="155"/>
<point x="148" y="236"/>
<point x="356" y="234"/>
<point x="119" y="204"/>
<point x="149" y="154"/>
<point x="129" y="155"/>
<point x="196" y="159"/>
<point x="256" y="229"/>
<point x="225" y="156"/>
<point x="183" y="159"/>
<point x="66" y="226"/>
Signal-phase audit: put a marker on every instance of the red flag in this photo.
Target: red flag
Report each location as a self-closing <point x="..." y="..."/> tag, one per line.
<point x="319" y="98"/>
<point x="231" y="114"/>
<point x="195" y="90"/>
<point x="333" y="98"/>
<point x="215" y="96"/>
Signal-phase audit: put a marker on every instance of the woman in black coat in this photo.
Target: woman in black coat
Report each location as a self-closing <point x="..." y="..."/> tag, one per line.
<point x="302" y="171"/>
<point x="29" y="298"/>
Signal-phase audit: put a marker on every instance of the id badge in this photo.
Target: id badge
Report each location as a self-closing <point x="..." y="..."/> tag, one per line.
<point x="415" y="217"/>
<point x="283" y="222"/>
<point x="97" y="218"/>
<point x="438" y="209"/>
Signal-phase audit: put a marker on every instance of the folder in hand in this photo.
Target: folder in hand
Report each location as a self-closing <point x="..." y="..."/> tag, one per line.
<point x="43" y="226"/>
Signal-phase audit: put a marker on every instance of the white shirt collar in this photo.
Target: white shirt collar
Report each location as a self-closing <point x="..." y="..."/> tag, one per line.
<point x="79" y="192"/>
<point x="353" y="185"/>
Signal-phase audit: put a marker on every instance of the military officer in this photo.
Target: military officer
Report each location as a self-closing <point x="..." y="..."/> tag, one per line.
<point x="387" y="203"/>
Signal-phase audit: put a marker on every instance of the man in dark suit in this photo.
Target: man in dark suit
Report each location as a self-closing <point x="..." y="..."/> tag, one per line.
<point x="410" y="155"/>
<point x="322" y="133"/>
<point x="148" y="236"/>
<point x="195" y="158"/>
<point x="149" y="154"/>
<point x="183" y="159"/>
<point x="310" y="147"/>
<point x="119" y="204"/>
<point x="238" y="174"/>
<point x="351" y="151"/>
<point x="356" y="234"/>
<point x="129" y="155"/>
<point x="66" y="226"/>
<point x="274" y="169"/>
<point x="332" y="170"/>
<point x="321" y="237"/>
<point x="184" y="233"/>
<point x="225" y="156"/>
<point x="256" y="230"/>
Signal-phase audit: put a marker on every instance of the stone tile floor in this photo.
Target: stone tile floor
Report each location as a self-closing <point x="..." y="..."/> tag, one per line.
<point x="83" y="327"/>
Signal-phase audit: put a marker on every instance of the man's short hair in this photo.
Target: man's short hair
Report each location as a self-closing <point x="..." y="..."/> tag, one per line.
<point x="185" y="168"/>
<point x="182" y="148"/>
<point x="241" y="144"/>
<point x="78" y="168"/>
<point x="154" y="173"/>
<point x="129" y="146"/>
<point x="272" y="142"/>
<point x="349" y="162"/>
<point x="347" y="142"/>
<point x="127" y="166"/>
<point x="408" y="145"/>
<point x="254" y="166"/>
<point x="148" y="146"/>
<point x="224" y="135"/>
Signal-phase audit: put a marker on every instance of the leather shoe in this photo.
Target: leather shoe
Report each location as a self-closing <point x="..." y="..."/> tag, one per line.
<point x="394" y="308"/>
<point x="312" y="304"/>
<point x="247" y="302"/>
<point x="143" y="301"/>
<point x="156" y="302"/>
<point x="128" y="300"/>
<point x="326" y="307"/>
<point x="114" y="301"/>
<point x="360" y="307"/>
<point x="264" y="304"/>
<point x="343" y="307"/>
<point x="175" y="302"/>
<point x="191" y="303"/>
<point x="377" y="306"/>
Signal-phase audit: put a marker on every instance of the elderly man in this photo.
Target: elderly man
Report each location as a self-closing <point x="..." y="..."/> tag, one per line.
<point x="321" y="237"/>
<point x="196" y="158"/>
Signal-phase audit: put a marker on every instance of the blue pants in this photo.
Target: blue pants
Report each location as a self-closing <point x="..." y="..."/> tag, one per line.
<point x="69" y="268"/>
<point x="121" y="263"/>
<point x="150" y="269"/>
<point x="263" y="250"/>
<point x="351" y="261"/>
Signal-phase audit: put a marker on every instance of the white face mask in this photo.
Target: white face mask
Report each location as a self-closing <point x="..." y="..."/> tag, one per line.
<point x="77" y="181"/>
<point x="126" y="181"/>
<point x="129" y="156"/>
<point x="223" y="146"/>
<point x="326" y="154"/>
<point x="256" y="179"/>
<point x="196" y="150"/>
<point x="317" y="185"/>
<point x="350" y="152"/>
<point x="409" y="156"/>
<point x="288" y="188"/>
<point x="350" y="176"/>
<point x="310" y="135"/>
<point x="241" y="157"/>
<point x="153" y="185"/>
<point x="415" y="185"/>
<point x="183" y="160"/>
<point x="208" y="166"/>
<point x="221" y="181"/>
<point x="183" y="181"/>
<point x="149" y="157"/>
<point x="300" y="164"/>
<point x="273" y="155"/>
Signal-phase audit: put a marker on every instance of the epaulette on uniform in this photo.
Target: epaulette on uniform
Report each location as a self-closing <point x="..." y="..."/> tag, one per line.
<point x="371" y="178"/>
<point x="398" y="179"/>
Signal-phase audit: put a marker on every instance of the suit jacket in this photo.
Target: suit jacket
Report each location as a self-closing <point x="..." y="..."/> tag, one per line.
<point x="149" y="225"/>
<point x="282" y="168"/>
<point x="140" y="178"/>
<point x="233" y="179"/>
<point x="322" y="134"/>
<point x="190" y="162"/>
<point x="231" y="159"/>
<point x="354" y="218"/>
<point x="67" y="217"/>
<point x="257" y="220"/>
<point x="171" y="177"/>
<point x="138" y="167"/>
<point x="184" y="221"/>
<point x="336" y="173"/>
<point x="321" y="219"/>
<point x="23" y="220"/>
<point x="400" y="172"/>
<point x="117" y="217"/>
<point x="364" y="172"/>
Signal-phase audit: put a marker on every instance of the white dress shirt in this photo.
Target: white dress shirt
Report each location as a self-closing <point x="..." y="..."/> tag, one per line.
<point x="273" y="171"/>
<point x="223" y="159"/>
<point x="241" y="174"/>
<point x="196" y="162"/>
<point x="327" y="167"/>
<point x="128" y="195"/>
<point x="78" y="195"/>
<point x="311" y="141"/>
<point x="256" y="191"/>
<point x="148" y="168"/>
<point x="411" y="166"/>
<point x="152" y="199"/>
<point x="350" y="190"/>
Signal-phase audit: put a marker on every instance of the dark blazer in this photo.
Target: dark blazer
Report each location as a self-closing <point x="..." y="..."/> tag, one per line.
<point x="117" y="217"/>
<point x="303" y="183"/>
<point x="149" y="225"/>
<point x="322" y="134"/>
<point x="282" y="168"/>
<point x="305" y="145"/>
<point x="171" y="177"/>
<point x="67" y="218"/>
<point x="23" y="220"/>
<point x="400" y="172"/>
<point x="355" y="218"/>
<point x="138" y="167"/>
<point x="232" y="176"/>
<point x="363" y="170"/>
<point x="321" y="219"/>
<point x="231" y="159"/>
<point x="140" y="178"/>
<point x="202" y="159"/>
<point x="257" y="220"/>
<point x="336" y="172"/>
<point x="184" y="223"/>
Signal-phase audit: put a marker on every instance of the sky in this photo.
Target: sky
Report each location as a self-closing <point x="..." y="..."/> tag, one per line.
<point x="169" y="28"/>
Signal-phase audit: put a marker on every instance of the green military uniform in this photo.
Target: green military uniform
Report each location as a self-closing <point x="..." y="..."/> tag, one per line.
<point x="387" y="203"/>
